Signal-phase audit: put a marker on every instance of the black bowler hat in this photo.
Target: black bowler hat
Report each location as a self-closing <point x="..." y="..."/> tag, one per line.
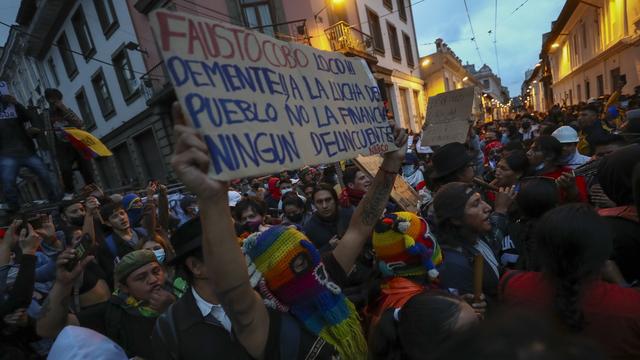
<point x="449" y="159"/>
<point x="187" y="238"/>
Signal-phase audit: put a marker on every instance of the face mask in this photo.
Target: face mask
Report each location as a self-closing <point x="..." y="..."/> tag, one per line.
<point x="196" y="211"/>
<point x="252" y="226"/>
<point x="160" y="255"/>
<point x="295" y="218"/>
<point x="540" y="167"/>
<point x="76" y="221"/>
<point x="285" y="191"/>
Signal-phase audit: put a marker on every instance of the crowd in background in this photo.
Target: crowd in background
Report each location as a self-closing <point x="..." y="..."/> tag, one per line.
<point x="525" y="245"/>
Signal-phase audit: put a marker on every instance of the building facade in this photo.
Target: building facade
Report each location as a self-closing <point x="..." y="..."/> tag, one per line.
<point x="89" y="51"/>
<point x="592" y="50"/>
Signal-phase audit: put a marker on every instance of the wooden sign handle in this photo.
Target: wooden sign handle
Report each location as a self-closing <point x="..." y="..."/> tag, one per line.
<point x="478" y="271"/>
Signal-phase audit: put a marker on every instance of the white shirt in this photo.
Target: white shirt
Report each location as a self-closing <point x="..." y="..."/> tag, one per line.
<point x="216" y="310"/>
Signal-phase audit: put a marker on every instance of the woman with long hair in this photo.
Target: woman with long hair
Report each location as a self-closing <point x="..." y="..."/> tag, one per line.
<point x="425" y="323"/>
<point x="573" y="243"/>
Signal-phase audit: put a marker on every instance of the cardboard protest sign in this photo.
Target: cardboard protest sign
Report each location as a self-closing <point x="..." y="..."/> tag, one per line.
<point x="448" y="117"/>
<point x="402" y="193"/>
<point x="7" y="111"/>
<point x="265" y="105"/>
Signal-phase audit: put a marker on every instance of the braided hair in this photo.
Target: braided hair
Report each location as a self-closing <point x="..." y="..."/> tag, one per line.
<point x="536" y="197"/>
<point x="573" y="243"/>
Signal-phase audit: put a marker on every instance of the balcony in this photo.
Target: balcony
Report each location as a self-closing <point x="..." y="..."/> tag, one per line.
<point x="155" y="83"/>
<point x="290" y="31"/>
<point x="350" y="41"/>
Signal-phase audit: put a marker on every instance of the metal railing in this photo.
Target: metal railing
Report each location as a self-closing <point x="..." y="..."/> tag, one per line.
<point x="155" y="81"/>
<point x="291" y="31"/>
<point x="343" y="37"/>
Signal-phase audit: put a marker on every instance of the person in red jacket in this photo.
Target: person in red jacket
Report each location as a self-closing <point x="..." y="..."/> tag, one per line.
<point x="573" y="244"/>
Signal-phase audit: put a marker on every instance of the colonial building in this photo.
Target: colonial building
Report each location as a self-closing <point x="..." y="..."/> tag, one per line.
<point x="592" y="49"/>
<point x="89" y="50"/>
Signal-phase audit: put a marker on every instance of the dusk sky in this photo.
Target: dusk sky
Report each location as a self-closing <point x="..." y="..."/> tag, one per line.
<point x="519" y="35"/>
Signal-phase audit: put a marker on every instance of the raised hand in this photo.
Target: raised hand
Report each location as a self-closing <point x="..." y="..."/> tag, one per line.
<point x="29" y="240"/>
<point x="504" y="198"/>
<point x="64" y="276"/>
<point x="400" y="139"/>
<point x="191" y="161"/>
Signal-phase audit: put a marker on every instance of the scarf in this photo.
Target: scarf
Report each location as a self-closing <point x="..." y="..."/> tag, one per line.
<point x="131" y="305"/>
<point x="350" y="197"/>
<point x="291" y="276"/>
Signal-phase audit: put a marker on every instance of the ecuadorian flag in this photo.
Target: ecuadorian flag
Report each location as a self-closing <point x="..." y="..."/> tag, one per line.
<point x="87" y="144"/>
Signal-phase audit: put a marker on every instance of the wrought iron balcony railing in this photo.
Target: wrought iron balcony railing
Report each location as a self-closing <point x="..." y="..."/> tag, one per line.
<point x="344" y="38"/>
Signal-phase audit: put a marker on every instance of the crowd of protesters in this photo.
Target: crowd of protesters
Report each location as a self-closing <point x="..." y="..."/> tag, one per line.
<point x="526" y="245"/>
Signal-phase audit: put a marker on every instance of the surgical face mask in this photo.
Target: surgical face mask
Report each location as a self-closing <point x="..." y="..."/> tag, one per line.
<point x="160" y="255"/>
<point x="284" y="191"/>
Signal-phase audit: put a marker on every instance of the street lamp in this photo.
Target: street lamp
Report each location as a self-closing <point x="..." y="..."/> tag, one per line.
<point x="465" y="78"/>
<point x="426" y="62"/>
<point x="555" y="45"/>
<point x="332" y="2"/>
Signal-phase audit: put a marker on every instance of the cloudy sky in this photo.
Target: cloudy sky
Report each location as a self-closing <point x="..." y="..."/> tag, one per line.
<point x="519" y="35"/>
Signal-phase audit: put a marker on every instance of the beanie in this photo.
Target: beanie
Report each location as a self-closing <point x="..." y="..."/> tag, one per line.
<point x="132" y="262"/>
<point x="450" y="201"/>
<point x="404" y="248"/>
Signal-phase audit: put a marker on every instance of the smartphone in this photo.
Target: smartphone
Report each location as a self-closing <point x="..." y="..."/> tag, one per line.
<point x="83" y="248"/>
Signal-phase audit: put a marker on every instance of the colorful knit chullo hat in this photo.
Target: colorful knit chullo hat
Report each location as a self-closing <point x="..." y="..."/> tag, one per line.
<point x="294" y="278"/>
<point x="404" y="248"/>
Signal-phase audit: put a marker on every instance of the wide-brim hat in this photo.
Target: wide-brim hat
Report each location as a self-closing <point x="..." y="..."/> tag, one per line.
<point x="449" y="159"/>
<point x="187" y="238"/>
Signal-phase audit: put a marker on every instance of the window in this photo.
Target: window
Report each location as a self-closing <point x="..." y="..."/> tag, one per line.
<point x="107" y="16"/>
<point x="447" y="86"/>
<point x="600" y="85"/>
<point x="376" y="32"/>
<point x="388" y="4"/>
<point x="83" y="34"/>
<point x="615" y="78"/>
<point x="85" y="109"/>
<point x="416" y="105"/>
<point x="257" y="14"/>
<point x="102" y="94"/>
<point x="587" y="90"/>
<point x="579" y="92"/>
<point x="393" y="40"/>
<point x="149" y="155"/>
<point x="571" y="97"/>
<point x="126" y="77"/>
<point x="408" y="52"/>
<point x="402" y="10"/>
<point x="584" y="34"/>
<point x="54" y="73"/>
<point x="67" y="56"/>
<point x="485" y="83"/>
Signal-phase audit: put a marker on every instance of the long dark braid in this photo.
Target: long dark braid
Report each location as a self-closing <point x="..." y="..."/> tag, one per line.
<point x="528" y="245"/>
<point x="573" y="244"/>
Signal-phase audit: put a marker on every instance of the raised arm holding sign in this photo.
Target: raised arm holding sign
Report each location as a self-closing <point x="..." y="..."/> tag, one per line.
<point x="264" y="105"/>
<point x="448" y="117"/>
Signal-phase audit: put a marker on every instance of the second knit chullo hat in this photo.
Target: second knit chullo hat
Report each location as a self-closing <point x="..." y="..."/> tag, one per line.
<point x="404" y="248"/>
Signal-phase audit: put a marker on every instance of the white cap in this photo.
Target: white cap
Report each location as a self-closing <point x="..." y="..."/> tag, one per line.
<point x="234" y="197"/>
<point x="566" y="135"/>
<point x="75" y="342"/>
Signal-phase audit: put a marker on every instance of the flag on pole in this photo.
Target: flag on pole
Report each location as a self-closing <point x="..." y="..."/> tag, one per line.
<point x="87" y="144"/>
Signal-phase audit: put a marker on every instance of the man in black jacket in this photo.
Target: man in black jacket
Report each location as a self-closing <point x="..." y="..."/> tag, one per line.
<point x="17" y="150"/>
